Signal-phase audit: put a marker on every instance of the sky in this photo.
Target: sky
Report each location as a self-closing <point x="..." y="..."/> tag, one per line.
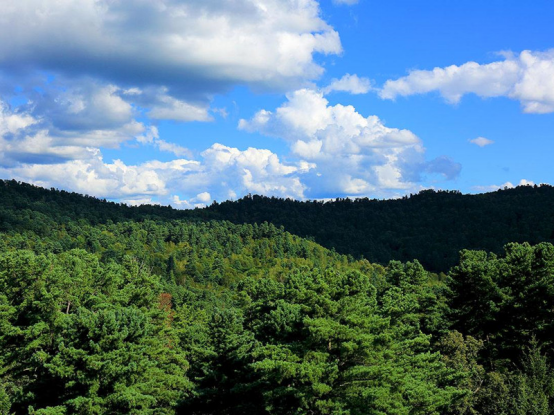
<point x="183" y="102"/>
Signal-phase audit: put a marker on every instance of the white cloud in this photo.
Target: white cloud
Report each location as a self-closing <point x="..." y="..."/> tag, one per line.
<point x="190" y="46"/>
<point x="349" y="83"/>
<point x="177" y="150"/>
<point x="509" y="185"/>
<point x="152" y="137"/>
<point x="199" y="201"/>
<point x="527" y="77"/>
<point x="26" y="137"/>
<point x="251" y="171"/>
<point x="11" y="122"/>
<point x="221" y="173"/>
<point x="95" y="73"/>
<point x="94" y="177"/>
<point x="81" y="105"/>
<point x="139" y="201"/>
<point x="204" y="197"/>
<point x="73" y="122"/>
<point x="335" y="151"/>
<point x="481" y="141"/>
<point x="353" y="154"/>
<point x="169" y="108"/>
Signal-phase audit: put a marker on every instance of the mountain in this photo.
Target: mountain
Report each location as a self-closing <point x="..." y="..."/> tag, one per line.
<point x="431" y="226"/>
<point x="110" y="309"/>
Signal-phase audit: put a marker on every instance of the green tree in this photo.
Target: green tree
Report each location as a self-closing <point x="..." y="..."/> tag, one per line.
<point x="87" y="338"/>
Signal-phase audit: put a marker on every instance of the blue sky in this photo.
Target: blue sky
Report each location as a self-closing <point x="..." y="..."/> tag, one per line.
<point x="184" y="101"/>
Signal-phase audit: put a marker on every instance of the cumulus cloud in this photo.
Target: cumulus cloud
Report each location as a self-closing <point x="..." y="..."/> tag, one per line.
<point x="89" y="67"/>
<point x="76" y="107"/>
<point x="334" y="151"/>
<point x="349" y="83"/>
<point x="28" y="136"/>
<point x="84" y="106"/>
<point x="199" y="201"/>
<point x="177" y="110"/>
<point x="94" y="177"/>
<point x="352" y="154"/>
<point x="160" y="105"/>
<point x="35" y="147"/>
<point x="526" y="77"/>
<point x="509" y="185"/>
<point x="192" y="47"/>
<point x="12" y="122"/>
<point x="481" y="141"/>
<point x="95" y="74"/>
<point x="152" y="137"/>
<point x="222" y="172"/>
<point x="253" y="170"/>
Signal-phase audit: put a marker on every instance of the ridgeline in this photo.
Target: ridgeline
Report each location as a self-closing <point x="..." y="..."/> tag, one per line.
<point x="431" y="226"/>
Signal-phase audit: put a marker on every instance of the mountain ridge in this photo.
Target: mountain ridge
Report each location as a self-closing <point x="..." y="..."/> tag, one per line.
<point x="431" y="226"/>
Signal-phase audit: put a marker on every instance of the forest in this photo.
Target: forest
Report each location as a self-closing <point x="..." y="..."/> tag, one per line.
<point x="418" y="226"/>
<point x="413" y="227"/>
<point x="272" y="306"/>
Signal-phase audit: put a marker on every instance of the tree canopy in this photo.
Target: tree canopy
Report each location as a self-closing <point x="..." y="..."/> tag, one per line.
<point x="122" y="311"/>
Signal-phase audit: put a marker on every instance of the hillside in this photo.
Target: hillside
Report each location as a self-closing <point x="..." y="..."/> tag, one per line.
<point x="431" y="227"/>
<point x="108" y="309"/>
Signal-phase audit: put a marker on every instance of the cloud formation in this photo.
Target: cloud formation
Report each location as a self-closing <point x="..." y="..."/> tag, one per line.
<point x="37" y="150"/>
<point x="222" y="172"/>
<point x="95" y="74"/>
<point x="152" y="137"/>
<point x="193" y="47"/>
<point x="352" y="154"/>
<point x="34" y="135"/>
<point x="349" y="83"/>
<point x="509" y="185"/>
<point x="481" y="141"/>
<point x="335" y="151"/>
<point x="527" y="78"/>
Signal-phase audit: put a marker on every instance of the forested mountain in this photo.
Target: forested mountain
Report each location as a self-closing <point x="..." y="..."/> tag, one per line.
<point x="25" y="205"/>
<point x="115" y="310"/>
<point x="432" y="226"/>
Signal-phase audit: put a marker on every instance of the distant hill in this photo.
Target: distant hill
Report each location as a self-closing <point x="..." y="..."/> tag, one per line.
<point x="54" y="204"/>
<point x="431" y="226"/>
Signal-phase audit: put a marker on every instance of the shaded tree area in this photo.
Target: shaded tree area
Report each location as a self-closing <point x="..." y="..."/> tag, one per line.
<point x="432" y="226"/>
<point x="28" y="207"/>
<point x="501" y="310"/>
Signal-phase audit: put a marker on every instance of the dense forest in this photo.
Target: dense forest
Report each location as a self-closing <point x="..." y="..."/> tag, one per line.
<point x="111" y="309"/>
<point x="418" y="227"/>
<point x="432" y="226"/>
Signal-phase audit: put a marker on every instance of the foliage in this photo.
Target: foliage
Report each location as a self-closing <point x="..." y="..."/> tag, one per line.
<point x="420" y="226"/>
<point x="431" y="226"/>
<point x="108" y="309"/>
